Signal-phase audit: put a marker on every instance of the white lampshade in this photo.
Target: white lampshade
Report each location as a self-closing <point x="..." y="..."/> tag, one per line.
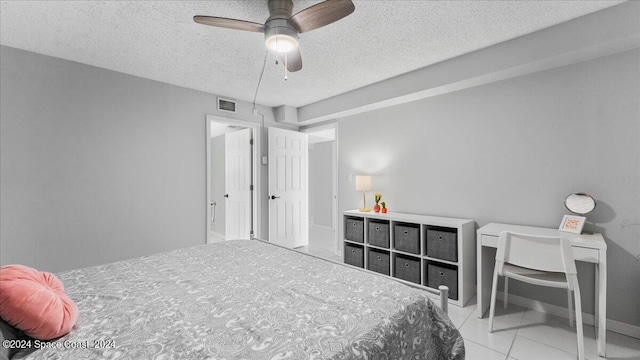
<point x="363" y="182"/>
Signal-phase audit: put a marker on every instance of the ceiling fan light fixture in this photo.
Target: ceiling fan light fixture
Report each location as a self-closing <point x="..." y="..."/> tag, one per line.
<point x="280" y="38"/>
<point x="281" y="43"/>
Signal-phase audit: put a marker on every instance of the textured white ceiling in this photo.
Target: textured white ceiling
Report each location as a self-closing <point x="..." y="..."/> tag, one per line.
<point x="381" y="39"/>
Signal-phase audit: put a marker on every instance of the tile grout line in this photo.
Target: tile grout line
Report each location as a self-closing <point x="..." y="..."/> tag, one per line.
<point x="464" y="321"/>
<point x="484" y="346"/>
<point x="517" y="331"/>
<point x="548" y="345"/>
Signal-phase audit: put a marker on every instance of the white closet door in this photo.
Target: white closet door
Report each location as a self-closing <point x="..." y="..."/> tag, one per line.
<point x="288" y="188"/>
<point x="237" y="184"/>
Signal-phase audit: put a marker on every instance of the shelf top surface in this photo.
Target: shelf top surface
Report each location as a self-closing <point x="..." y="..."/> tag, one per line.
<point x="411" y="218"/>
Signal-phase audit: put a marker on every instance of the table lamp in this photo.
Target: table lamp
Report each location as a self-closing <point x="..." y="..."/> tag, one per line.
<point x="363" y="183"/>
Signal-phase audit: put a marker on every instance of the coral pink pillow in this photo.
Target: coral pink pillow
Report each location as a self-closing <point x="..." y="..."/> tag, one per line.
<point x="35" y="302"/>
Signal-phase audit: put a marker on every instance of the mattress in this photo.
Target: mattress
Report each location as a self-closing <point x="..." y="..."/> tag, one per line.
<point x="247" y="299"/>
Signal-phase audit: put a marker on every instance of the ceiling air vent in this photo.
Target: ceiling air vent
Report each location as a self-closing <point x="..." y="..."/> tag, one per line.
<point x="226" y="105"/>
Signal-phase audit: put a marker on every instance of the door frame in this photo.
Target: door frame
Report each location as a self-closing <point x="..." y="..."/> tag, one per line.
<point x="255" y="169"/>
<point x="334" y="168"/>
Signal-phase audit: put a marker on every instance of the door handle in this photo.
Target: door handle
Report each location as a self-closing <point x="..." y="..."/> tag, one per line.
<point x="273" y="197"/>
<point x="226" y="195"/>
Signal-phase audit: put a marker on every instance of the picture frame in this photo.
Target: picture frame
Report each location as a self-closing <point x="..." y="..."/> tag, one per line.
<point x="572" y="224"/>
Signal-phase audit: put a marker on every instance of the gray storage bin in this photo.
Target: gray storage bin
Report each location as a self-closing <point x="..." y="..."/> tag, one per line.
<point x="378" y="234"/>
<point x="354" y="255"/>
<point x="443" y="274"/>
<point x="354" y="229"/>
<point x="407" y="268"/>
<point x="379" y="261"/>
<point x="442" y="243"/>
<point x="406" y="237"/>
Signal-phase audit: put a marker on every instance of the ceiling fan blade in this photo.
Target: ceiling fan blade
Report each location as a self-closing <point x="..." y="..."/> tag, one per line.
<point x="294" y="60"/>
<point x="321" y="14"/>
<point x="229" y="23"/>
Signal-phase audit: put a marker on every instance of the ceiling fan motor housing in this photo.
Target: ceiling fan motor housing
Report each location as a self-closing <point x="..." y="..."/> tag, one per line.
<point x="280" y="9"/>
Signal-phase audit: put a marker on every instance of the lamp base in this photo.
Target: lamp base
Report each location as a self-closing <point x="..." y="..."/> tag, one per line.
<point x="365" y="210"/>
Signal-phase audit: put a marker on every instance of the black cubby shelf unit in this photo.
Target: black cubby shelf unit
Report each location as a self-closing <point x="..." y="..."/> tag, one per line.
<point x="421" y="250"/>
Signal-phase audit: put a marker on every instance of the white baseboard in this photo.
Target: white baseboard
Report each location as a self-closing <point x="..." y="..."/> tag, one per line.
<point x="322" y="227"/>
<point x="215" y="234"/>
<point x="587" y="319"/>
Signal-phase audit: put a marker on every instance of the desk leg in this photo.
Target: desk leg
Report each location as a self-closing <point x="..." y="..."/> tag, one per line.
<point x="479" y="283"/>
<point x="485" y="263"/>
<point x="596" y="306"/>
<point x="601" y="303"/>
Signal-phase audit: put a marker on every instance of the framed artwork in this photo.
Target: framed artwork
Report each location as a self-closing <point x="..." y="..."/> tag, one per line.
<point x="572" y="224"/>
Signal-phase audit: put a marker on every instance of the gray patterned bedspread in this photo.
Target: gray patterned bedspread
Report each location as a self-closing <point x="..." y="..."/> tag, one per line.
<point x="247" y="299"/>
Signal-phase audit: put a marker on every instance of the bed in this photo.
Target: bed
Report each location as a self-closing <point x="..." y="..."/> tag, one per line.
<point x="247" y="299"/>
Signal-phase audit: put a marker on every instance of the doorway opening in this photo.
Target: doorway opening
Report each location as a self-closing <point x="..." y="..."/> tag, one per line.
<point x="231" y="179"/>
<point x="323" y="192"/>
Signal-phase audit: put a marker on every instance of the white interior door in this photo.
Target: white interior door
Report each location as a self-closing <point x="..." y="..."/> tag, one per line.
<point x="238" y="184"/>
<point x="288" y="188"/>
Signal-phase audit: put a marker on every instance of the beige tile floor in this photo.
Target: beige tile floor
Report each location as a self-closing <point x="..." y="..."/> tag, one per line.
<point x="525" y="334"/>
<point x="521" y="333"/>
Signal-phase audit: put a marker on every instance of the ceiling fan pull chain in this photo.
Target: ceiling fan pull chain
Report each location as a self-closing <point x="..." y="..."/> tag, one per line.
<point x="277" y="53"/>
<point x="286" y="56"/>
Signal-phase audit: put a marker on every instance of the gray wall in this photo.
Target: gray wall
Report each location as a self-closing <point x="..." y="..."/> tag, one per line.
<point x="321" y="183"/>
<point x="218" y="182"/>
<point x="510" y="152"/>
<point x="98" y="166"/>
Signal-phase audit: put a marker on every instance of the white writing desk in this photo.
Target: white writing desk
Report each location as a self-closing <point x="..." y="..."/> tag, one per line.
<point x="586" y="247"/>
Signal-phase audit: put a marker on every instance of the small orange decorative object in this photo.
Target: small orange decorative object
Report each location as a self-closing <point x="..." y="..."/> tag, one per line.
<point x="384" y="207"/>
<point x="377" y="198"/>
<point x="384" y="210"/>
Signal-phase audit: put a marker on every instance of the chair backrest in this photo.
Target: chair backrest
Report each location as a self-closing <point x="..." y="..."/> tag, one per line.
<point x="544" y="253"/>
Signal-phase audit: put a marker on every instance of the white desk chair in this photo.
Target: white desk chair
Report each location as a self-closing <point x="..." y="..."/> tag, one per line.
<point x="538" y="260"/>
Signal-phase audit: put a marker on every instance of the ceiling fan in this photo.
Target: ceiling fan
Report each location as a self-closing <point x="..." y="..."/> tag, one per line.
<point x="281" y="29"/>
